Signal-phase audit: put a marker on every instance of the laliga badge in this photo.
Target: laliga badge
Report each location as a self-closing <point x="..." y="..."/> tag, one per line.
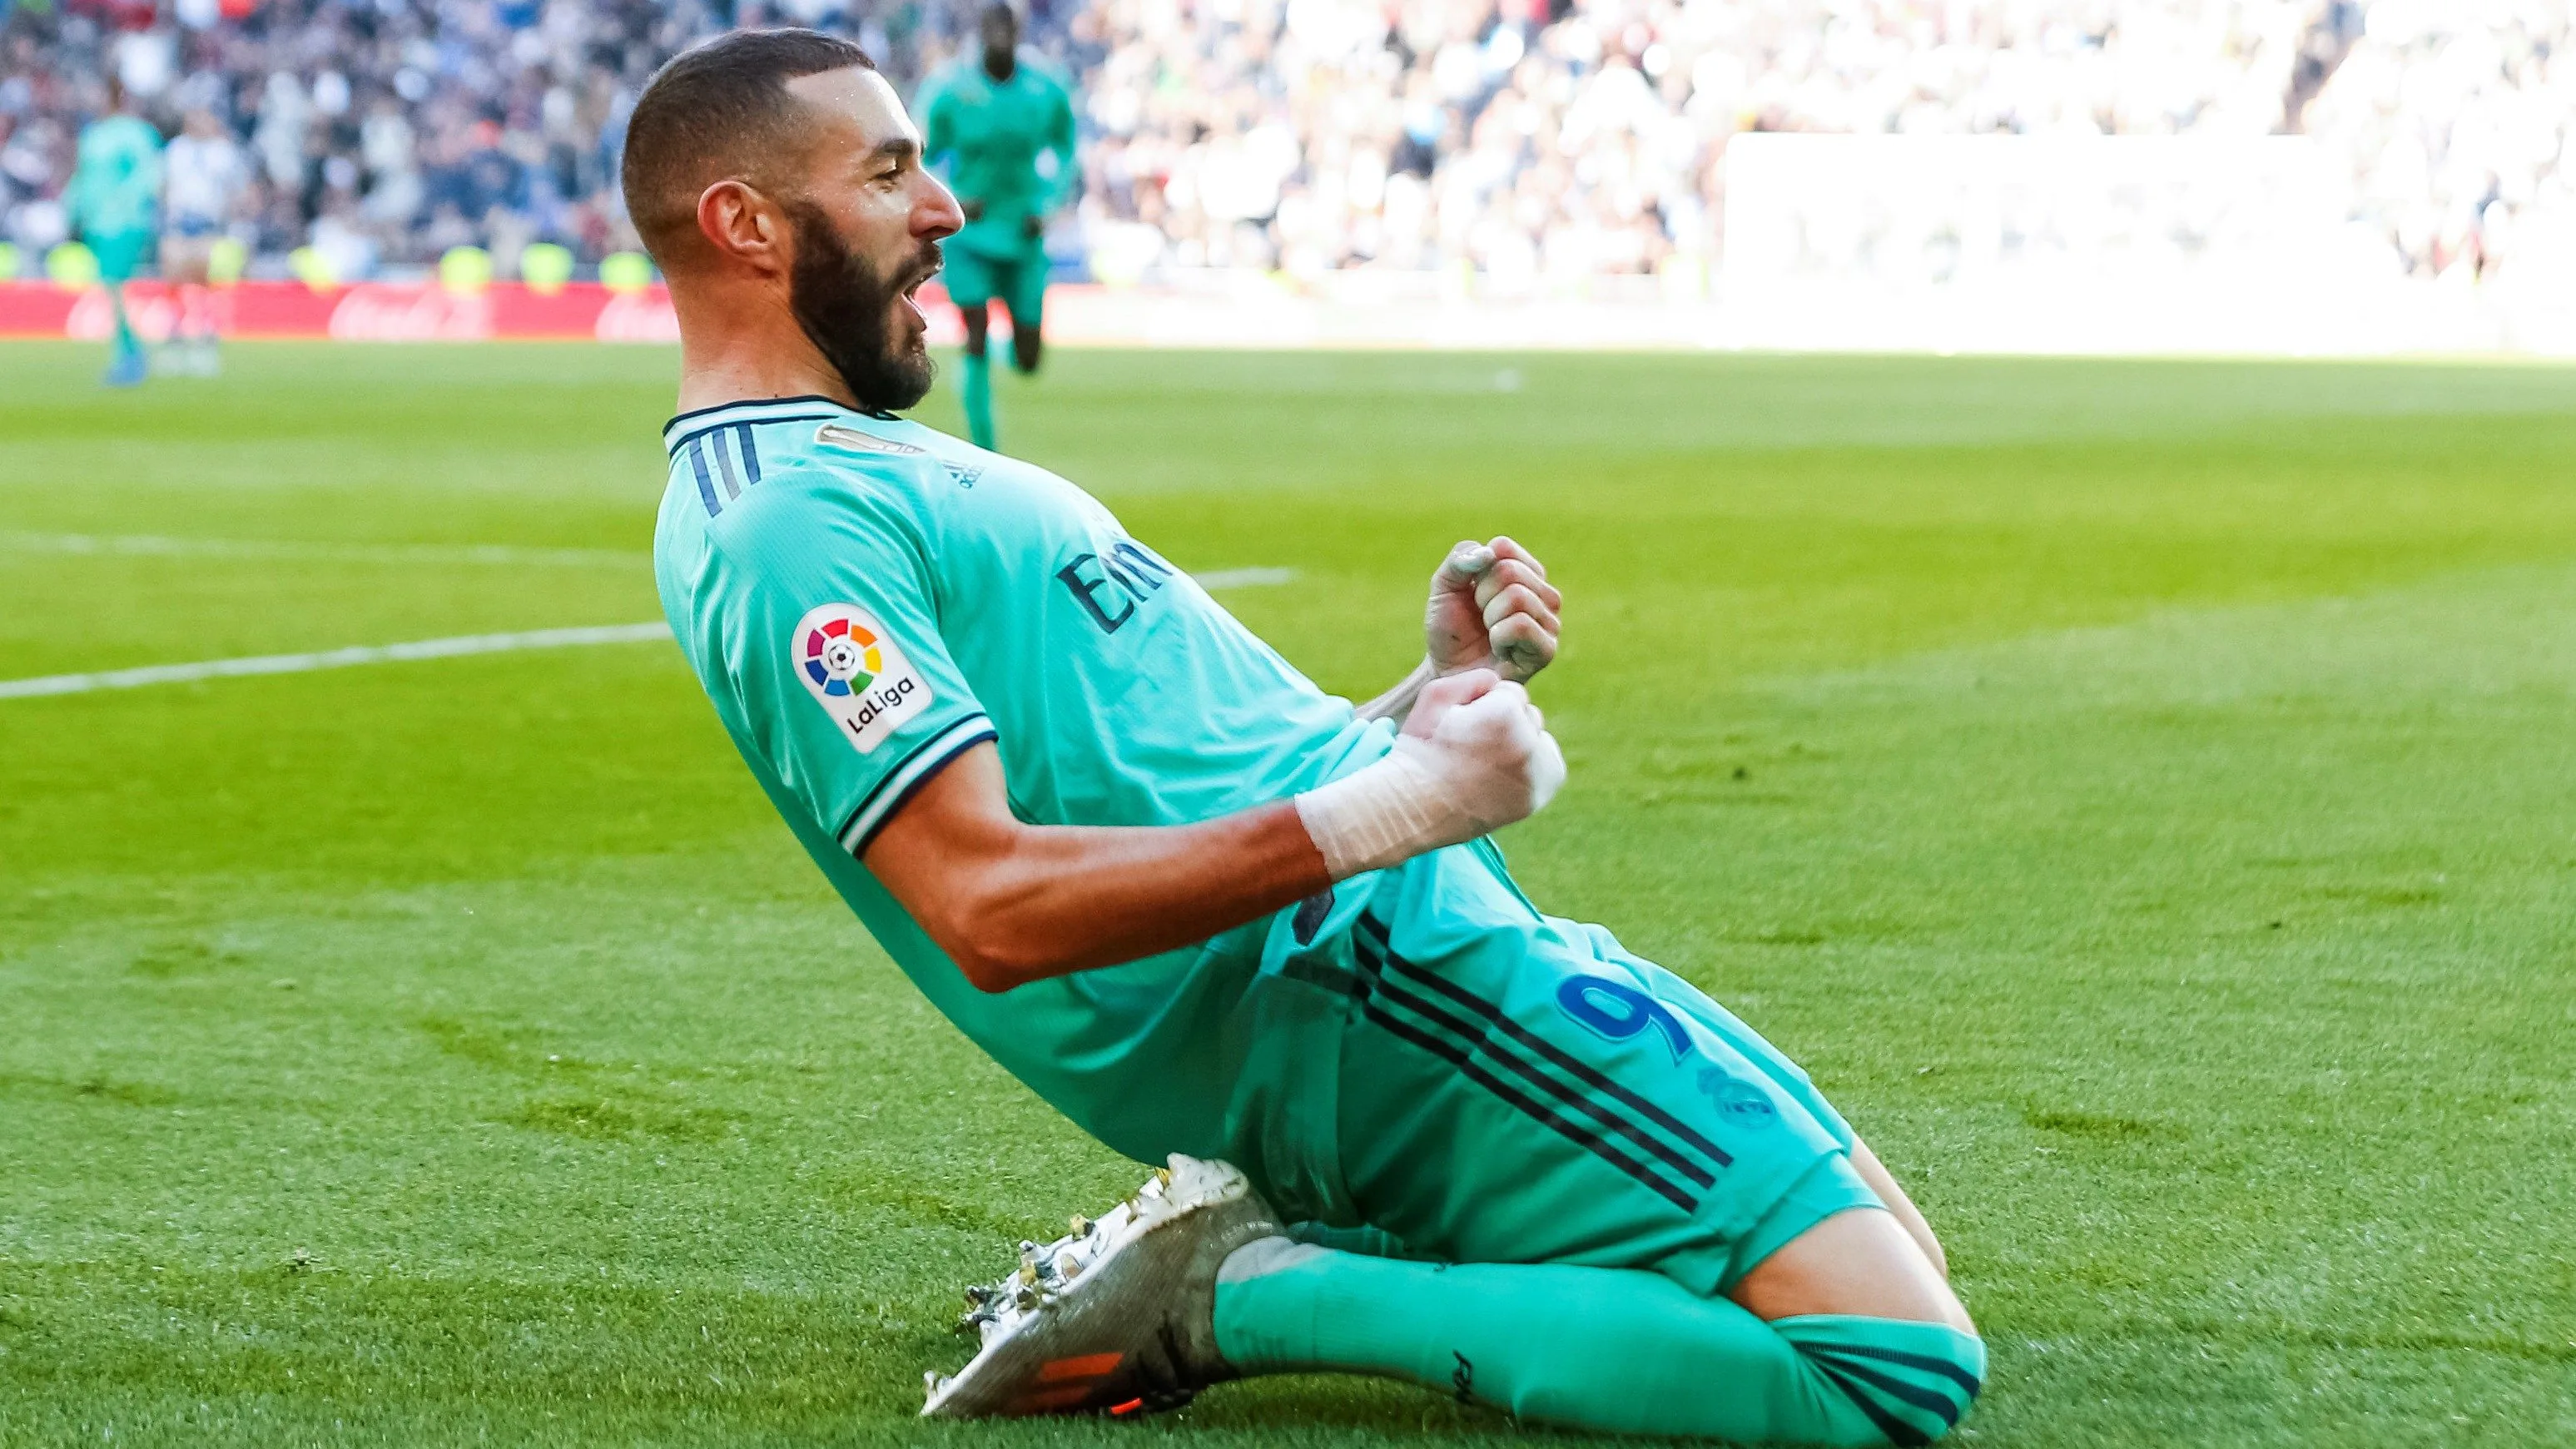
<point x="857" y="673"/>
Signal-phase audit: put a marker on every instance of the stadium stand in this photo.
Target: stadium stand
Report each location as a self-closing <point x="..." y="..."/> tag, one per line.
<point x="384" y="132"/>
<point x="1528" y="140"/>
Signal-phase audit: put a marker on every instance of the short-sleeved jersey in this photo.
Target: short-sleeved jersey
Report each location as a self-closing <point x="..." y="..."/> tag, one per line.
<point x="1009" y="146"/>
<point x="116" y="183"/>
<point x="203" y="176"/>
<point x="865" y="599"/>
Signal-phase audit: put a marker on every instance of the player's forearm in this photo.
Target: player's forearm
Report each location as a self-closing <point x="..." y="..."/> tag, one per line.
<point x="1011" y="902"/>
<point x="1398" y="702"/>
<point x="1061" y="899"/>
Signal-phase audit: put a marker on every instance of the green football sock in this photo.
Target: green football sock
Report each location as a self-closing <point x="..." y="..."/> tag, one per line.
<point x="1605" y="1349"/>
<point x="126" y="343"/>
<point x="978" y="389"/>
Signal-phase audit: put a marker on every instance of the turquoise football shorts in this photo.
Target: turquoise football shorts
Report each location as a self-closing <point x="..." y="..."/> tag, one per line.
<point x="1513" y="1087"/>
<point x="120" y="253"/>
<point x="1020" y="282"/>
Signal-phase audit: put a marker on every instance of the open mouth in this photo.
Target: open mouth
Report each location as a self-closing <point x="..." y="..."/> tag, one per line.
<point x="911" y="292"/>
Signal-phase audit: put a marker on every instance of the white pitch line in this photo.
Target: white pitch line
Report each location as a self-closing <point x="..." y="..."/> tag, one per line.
<point x="133" y="545"/>
<point x="1244" y="578"/>
<point x="463" y="644"/>
<point x="331" y="659"/>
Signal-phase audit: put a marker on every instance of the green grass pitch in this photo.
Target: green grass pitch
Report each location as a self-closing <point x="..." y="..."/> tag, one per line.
<point x="2144" y="794"/>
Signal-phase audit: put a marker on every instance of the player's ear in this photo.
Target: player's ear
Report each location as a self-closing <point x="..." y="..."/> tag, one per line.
<point x="743" y="225"/>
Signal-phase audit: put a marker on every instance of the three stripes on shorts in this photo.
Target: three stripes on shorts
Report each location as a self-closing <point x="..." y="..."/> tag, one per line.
<point x="1533" y="1075"/>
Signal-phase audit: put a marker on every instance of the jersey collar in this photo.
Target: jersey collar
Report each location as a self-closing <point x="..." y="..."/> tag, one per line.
<point x="758" y="410"/>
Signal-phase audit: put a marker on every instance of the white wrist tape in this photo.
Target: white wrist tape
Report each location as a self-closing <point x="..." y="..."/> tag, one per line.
<point x="1489" y="763"/>
<point x="1374" y="817"/>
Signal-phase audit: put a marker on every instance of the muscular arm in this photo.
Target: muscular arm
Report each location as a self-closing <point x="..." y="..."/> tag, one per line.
<point x="1012" y="902"/>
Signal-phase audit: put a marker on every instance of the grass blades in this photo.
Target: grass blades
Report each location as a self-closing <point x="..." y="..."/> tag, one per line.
<point x="2138" y="792"/>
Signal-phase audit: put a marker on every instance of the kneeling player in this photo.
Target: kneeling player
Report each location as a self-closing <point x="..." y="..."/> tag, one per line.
<point x="1417" y="1127"/>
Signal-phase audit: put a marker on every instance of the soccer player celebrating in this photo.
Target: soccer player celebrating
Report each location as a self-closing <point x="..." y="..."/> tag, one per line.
<point x="114" y="192"/>
<point x="1415" y="1127"/>
<point x="1004" y="126"/>
<point x="204" y="173"/>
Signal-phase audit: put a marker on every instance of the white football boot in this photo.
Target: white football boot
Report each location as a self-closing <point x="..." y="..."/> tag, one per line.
<point x="1117" y="1317"/>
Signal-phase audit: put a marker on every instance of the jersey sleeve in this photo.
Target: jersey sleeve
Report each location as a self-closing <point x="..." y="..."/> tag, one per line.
<point x="1061" y="139"/>
<point x="938" y="123"/>
<point x="80" y="193"/>
<point x="825" y="621"/>
<point x="147" y="169"/>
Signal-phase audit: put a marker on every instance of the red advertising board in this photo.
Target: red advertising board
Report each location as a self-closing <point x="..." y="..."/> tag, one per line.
<point x="365" y="312"/>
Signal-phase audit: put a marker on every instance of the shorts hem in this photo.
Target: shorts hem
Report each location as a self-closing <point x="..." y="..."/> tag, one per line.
<point x="1828" y="1187"/>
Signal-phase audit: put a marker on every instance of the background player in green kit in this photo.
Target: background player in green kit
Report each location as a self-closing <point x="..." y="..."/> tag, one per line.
<point x="1003" y="126"/>
<point x="1416" y="1127"/>
<point x="113" y="201"/>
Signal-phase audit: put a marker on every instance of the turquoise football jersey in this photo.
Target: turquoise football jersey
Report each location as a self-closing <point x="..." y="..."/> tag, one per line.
<point x="116" y="182"/>
<point x="1008" y="145"/>
<point x="865" y="599"/>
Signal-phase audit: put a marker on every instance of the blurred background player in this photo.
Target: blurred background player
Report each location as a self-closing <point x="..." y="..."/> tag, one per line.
<point x="1004" y="126"/>
<point x="204" y="174"/>
<point x="114" y="192"/>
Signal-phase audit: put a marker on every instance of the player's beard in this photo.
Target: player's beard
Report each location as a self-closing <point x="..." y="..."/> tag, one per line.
<point x="847" y="308"/>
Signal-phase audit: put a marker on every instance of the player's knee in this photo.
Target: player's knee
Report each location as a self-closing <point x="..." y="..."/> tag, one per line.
<point x="1887" y="1382"/>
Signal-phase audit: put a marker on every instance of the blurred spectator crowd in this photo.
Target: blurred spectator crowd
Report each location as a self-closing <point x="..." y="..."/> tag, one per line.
<point x="1539" y="140"/>
<point x="380" y="133"/>
<point x="1535" y="142"/>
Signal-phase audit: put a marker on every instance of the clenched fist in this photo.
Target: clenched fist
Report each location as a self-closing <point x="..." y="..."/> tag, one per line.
<point x="1475" y="756"/>
<point x="1491" y="608"/>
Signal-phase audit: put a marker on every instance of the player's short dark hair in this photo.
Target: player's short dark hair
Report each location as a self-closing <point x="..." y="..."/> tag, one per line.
<point x="712" y="113"/>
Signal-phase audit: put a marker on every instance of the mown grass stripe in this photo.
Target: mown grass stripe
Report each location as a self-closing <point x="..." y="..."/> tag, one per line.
<point x="450" y="648"/>
<point x="145" y="545"/>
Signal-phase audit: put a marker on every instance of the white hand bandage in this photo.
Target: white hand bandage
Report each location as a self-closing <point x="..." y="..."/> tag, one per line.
<point x="1489" y="762"/>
